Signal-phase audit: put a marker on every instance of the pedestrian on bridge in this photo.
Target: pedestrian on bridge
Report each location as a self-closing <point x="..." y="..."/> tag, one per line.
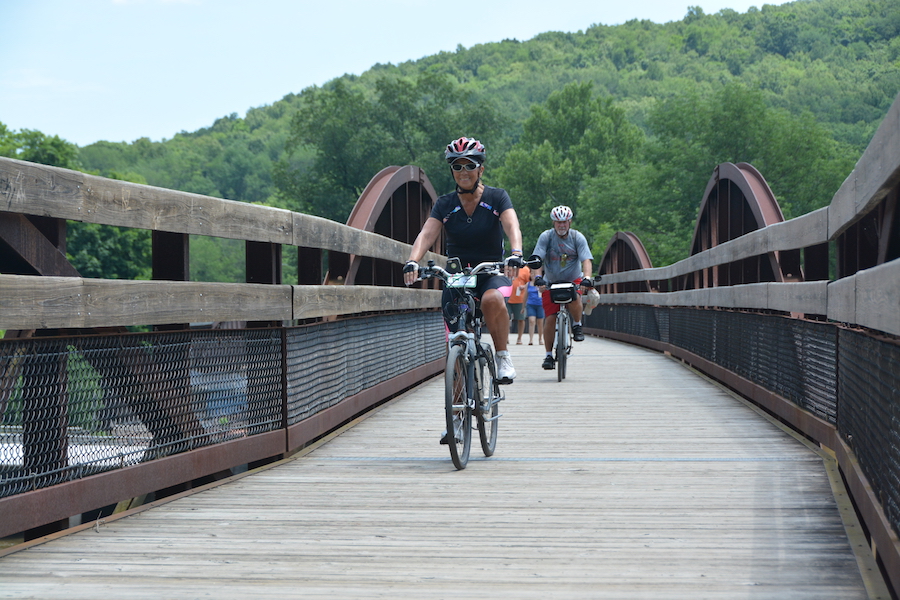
<point x="474" y="218"/>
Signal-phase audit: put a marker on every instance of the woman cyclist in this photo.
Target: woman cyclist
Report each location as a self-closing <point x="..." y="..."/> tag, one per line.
<point x="474" y="219"/>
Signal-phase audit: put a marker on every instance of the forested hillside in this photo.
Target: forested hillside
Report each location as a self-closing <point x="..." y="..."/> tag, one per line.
<point x="625" y="123"/>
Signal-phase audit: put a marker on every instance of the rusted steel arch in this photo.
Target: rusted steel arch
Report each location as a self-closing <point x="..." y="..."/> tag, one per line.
<point x="625" y="252"/>
<point x="395" y="204"/>
<point x="737" y="200"/>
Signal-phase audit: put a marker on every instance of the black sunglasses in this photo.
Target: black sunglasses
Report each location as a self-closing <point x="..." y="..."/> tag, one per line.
<point x="468" y="166"/>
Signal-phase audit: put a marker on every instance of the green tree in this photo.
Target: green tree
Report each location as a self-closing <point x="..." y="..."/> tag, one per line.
<point x="658" y="196"/>
<point x="570" y="138"/>
<point x="801" y="162"/>
<point x="36" y="147"/>
<point x="352" y="136"/>
<point x="107" y="252"/>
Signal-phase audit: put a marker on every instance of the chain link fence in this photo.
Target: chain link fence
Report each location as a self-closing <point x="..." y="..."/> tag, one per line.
<point x="75" y="406"/>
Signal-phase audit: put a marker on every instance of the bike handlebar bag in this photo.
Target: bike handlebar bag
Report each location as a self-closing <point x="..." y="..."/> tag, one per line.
<point x="563" y="293"/>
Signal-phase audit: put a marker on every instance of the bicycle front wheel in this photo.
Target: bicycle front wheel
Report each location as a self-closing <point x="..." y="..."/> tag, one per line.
<point x="488" y="409"/>
<point x="562" y="343"/>
<point x="458" y="412"/>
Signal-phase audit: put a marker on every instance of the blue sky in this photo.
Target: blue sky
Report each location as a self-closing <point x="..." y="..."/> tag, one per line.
<point x="119" y="70"/>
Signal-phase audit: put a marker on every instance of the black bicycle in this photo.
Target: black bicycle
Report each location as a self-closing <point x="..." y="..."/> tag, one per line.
<point x="562" y="294"/>
<point x="470" y="377"/>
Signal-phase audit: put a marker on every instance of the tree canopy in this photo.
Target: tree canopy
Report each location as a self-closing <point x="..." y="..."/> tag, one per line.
<point x="625" y="123"/>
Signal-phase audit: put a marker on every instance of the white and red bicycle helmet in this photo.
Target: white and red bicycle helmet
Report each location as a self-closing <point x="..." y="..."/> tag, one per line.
<point x="561" y="213"/>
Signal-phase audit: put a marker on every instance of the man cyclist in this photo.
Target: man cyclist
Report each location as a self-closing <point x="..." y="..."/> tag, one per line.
<point x="474" y="218"/>
<point x="567" y="257"/>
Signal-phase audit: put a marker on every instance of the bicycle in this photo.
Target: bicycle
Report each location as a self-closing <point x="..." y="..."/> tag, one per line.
<point x="470" y="377"/>
<point x="562" y="294"/>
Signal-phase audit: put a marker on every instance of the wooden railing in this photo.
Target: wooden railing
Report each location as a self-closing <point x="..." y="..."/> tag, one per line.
<point x="72" y="302"/>
<point x="179" y="447"/>
<point x="822" y="355"/>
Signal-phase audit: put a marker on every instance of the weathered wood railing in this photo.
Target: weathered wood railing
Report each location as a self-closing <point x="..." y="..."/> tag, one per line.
<point x="178" y="406"/>
<point x="822" y="355"/>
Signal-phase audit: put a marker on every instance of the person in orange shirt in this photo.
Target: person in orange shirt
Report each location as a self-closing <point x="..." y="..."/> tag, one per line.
<point x="518" y="294"/>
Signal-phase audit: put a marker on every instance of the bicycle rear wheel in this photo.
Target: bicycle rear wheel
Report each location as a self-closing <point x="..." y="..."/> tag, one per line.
<point x="488" y="410"/>
<point x="456" y="406"/>
<point x="562" y="342"/>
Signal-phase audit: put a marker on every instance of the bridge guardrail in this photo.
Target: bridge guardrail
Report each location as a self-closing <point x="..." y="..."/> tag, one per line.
<point x="92" y="417"/>
<point x="824" y="356"/>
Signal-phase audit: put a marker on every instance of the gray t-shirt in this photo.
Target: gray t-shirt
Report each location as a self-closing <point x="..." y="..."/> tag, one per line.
<point x="562" y="256"/>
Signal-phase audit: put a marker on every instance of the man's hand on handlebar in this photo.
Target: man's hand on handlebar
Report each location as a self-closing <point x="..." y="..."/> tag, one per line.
<point x="586" y="282"/>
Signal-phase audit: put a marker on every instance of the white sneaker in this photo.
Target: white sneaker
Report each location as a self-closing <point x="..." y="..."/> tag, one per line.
<point x="505" y="370"/>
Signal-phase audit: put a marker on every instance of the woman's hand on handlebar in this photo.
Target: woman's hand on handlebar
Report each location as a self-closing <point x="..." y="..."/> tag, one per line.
<point x="410" y="272"/>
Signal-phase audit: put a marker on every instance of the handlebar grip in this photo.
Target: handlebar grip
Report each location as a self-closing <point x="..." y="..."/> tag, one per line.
<point x="534" y="262"/>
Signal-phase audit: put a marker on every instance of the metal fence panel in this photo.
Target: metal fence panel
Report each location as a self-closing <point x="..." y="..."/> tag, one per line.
<point x="869" y="416"/>
<point x="76" y="406"/>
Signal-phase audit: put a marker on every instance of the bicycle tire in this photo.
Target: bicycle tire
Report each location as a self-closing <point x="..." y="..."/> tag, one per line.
<point x="457" y="382"/>
<point x="562" y="352"/>
<point x="489" y="395"/>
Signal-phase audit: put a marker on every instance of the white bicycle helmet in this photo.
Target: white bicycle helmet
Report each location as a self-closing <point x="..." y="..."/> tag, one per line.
<point x="561" y="213"/>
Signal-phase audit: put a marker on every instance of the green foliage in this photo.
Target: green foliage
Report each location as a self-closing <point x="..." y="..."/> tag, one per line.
<point x="572" y="137"/>
<point x="579" y="150"/>
<point x="217" y="259"/>
<point x="34" y="146"/>
<point x="800" y="161"/>
<point x="108" y="252"/>
<point x="625" y="123"/>
<point x="353" y="133"/>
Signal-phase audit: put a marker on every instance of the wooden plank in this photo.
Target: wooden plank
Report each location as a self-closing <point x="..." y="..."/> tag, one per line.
<point x="878" y="297"/>
<point x="33" y="189"/>
<point x="804" y="231"/>
<point x="316" y="232"/>
<point x="73" y="302"/>
<point x="322" y="300"/>
<point x="28" y="302"/>
<point x="154" y="302"/>
<point x="29" y="188"/>
<point x="138" y="206"/>
<point x="633" y="478"/>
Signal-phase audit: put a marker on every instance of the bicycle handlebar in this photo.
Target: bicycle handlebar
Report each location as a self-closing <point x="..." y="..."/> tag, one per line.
<point x="492" y="268"/>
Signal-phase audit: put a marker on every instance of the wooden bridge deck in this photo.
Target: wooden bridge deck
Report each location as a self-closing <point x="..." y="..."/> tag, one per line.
<point x="634" y="478"/>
